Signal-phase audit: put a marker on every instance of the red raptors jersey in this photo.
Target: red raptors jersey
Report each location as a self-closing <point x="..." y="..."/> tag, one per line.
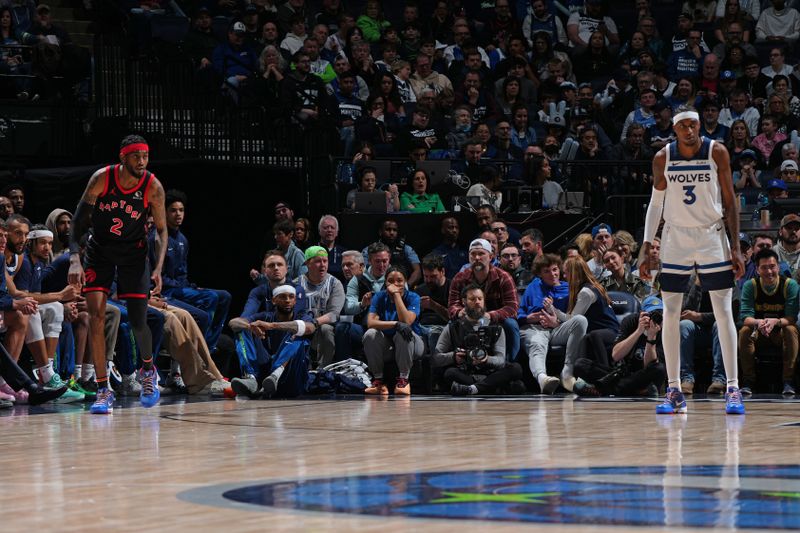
<point x="120" y="214"/>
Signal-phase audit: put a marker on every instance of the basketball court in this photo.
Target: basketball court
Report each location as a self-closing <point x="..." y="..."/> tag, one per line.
<point x="420" y="464"/>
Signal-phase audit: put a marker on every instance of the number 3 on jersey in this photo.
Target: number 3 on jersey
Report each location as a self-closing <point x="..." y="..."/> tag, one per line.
<point x="691" y="197"/>
<point x="117" y="225"/>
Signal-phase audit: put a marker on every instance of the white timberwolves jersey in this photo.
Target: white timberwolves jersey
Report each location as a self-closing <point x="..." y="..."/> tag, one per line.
<point x="694" y="198"/>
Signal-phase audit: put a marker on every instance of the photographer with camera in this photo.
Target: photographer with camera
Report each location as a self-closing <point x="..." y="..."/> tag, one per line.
<point x="636" y="368"/>
<point x="473" y="351"/>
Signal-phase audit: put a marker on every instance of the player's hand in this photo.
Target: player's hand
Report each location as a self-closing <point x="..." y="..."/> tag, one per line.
<point x="738" y="264"/>
<point x="155" y="277"/>
<point x="70" y="311"/>
<point x="644" y="264"/>
<point x="76" y="276"/>
<point x="69" y="293"/>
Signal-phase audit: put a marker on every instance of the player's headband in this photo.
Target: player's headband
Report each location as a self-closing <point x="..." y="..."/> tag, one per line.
<point x="137" y="147"/>
<point x="693" y="115"/>
<point x="39" y="233"/>
<point x="284" y="289"/>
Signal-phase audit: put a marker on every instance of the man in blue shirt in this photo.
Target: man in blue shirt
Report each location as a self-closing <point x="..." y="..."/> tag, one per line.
<point x="210" y="305"/>
<point x="453" y="255"/>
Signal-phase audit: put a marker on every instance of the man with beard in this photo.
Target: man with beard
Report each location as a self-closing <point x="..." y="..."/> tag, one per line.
<point x="401" y="253"/>
<point x="302" y="93"/>
<point x="6" y="208"/>
<point x="283" y="354"/>
<point x="58" y="221"/>
<point x="501" y="299"/>
<point x="274" y="269"/>
<point x="453" y="256"/>
<point x="469" y="350"/>
<point x="16" y="194"/>
<point x="511" y="262"/>
<point x="360" y="290"/>
<point x="433" y="295"/>
<point x="115" y="206"/>
<point x="788" y="247"/>
<point x="530" y="242"/>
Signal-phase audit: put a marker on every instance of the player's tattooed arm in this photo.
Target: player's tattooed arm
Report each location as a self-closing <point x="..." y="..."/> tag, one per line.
<point x="156" y="199"/>
<point x="83" y="213"/>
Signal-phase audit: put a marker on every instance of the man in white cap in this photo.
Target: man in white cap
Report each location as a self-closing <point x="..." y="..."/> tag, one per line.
<point x="501" y="300"/>
<point x="693" y="188"/>
<point x="283" y="355"/>
<point x="789" y="171"/>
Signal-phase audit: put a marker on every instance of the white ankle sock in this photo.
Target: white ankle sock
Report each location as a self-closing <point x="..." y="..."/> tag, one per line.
<point x="671" y="336"/>
<point x="46" y="373"/>
<point x="77" y="372"/>
<point x="721" y="301"/>
<point x="278" y="372"/>
<point x="473" y="389"/>
<point x="88" y="371"/>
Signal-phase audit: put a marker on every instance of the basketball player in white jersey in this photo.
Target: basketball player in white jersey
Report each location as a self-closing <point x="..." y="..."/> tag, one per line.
<point x="693" y="189"/>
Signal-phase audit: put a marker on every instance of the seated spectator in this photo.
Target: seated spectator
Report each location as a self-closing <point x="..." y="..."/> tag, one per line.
<point x="602" y="240"/>
<point x="368" y="178"/>
<point x="433" y="296"/>
<point x="488" y="189"/>
<point x="778" y="23"/>
<point x="738" y="108"/>
<point x="213" y="303"/>
<point x="424" y="76"/>
<point x="738" y="144"/>
<point x="303" y="94"/>
<point x="711" y="127"/>
<point x="473" y="353"/>
<point x="318" y="66"/>
<point x="687" y="62"/>
<point x="58" y="222"/>
<point x="523" y="134"/>
<point x="394" y="333"/>
<point x="502" y="302"/>
<point x="620" y="279"/>
<point x="283" y="353"/>
<point x="788" y="247"/>
<point x="789" y="172"/>
<point x="785" y="121"/>
<point x="401" y="254"/>
<point x="644" y="115"/>
<point x="635" y="368"/>
<point x="283" y="231"/>
<point x="769" y="311"/>
<point x="235" y="62"/>
<point x="540" y="19"/>
<point x="461" y="129"/>
<point x="581" y="25"/>
<point x="360" y="290"/>
<point x="765" y="141"/>
<point x="295" y="37"/>
<point x="325" y="296"/>
<point x="632" y="148"/>
<point x="192" y="367"/>
<point x="747" y="174"/>
<point x="763" y="241"/>
<point x="328" y="228"/>
<point x="419" y="131"/>
<point x="419" y="200"/>
<point x="626" y="246"/>
<point x="540" y="327"/>
<point x="661" y="133"/>
<point x="372" y="22"/>
<point x="511" y="262"/>
<point x="501" y="147"/>
<point x="473" y="93"/>
<point x="259" y="300"/>
<point x="530" y="242"/>
<point x="754" y="82"/>
<point x="453" y="256"/>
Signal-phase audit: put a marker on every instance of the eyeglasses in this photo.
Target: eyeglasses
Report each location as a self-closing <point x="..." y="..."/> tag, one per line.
<point x="509" y="256"/>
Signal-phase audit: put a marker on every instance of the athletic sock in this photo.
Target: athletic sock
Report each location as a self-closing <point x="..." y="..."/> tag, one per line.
<point x="77" y="372"/>
<point x="721" y="301"/>
<point x="473" y="389"/>
<point x="147" y="364"/>
<point x="671" y="336"/>
<point x="46" y="373"/>
<point x="404" y="375"/>
<point x="88" y="371"/>
<point x="278" y="372"/>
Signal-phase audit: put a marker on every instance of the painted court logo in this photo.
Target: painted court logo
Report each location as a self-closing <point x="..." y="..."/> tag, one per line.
<point x="751" y="496"/>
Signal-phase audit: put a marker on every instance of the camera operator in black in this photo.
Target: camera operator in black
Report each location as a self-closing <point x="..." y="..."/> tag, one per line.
<point x="637" y="367"/>
<point x="473" y="353"/>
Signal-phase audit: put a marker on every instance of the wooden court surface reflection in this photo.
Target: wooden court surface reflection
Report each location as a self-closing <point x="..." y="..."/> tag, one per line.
<point x="65" y="470"/>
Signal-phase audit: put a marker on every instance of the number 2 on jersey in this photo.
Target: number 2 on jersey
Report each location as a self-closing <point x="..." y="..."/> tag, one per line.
<point x="117" y="225"/>
<point x="691" y="197"/>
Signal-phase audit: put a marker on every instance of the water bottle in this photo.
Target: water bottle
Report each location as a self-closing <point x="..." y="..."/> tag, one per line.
<point x="762" y="202"/>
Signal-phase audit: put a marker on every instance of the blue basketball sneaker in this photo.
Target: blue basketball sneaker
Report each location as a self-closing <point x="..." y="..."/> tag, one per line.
<point x="733" y="402"/>
<point x="674" y="402"/>
<point x="104" y="403"/>
<point x="150" y="393"/>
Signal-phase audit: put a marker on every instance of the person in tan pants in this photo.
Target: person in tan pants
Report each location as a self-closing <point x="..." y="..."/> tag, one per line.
<point x="186" y="344"/>
<point x="769" y="307"/>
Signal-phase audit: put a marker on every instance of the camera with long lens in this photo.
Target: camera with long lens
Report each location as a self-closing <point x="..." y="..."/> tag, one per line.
<point x="478" y="343"/>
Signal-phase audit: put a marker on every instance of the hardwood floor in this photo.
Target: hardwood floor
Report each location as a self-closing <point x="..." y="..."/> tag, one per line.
<point x="425" y="463"/>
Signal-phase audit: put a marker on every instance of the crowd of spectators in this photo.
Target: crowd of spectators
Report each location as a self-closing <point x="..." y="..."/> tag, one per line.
<point x="509" y="91"/>
<point x="37" y="56"/>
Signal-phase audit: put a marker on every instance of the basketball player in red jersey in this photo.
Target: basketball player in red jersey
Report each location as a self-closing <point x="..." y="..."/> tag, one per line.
<point x="115" y="206"/>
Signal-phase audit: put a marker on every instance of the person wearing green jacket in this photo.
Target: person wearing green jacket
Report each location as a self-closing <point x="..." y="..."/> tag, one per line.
<point x="372" y="22"/>
<point x="420" y="200"/>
